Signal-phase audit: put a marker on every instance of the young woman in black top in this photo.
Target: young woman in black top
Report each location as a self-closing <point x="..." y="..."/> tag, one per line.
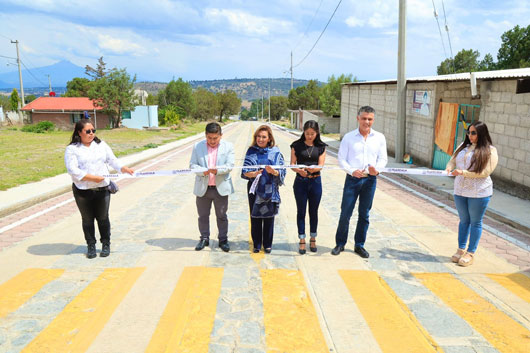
<point x="311" y="151"/>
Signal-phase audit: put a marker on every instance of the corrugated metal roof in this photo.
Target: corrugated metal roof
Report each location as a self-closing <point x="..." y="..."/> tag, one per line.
<point x="61" y="103"/>
<point x="481" y="75"/>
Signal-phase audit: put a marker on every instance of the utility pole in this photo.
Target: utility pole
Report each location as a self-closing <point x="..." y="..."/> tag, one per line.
<point x="291" y="84"/>
<point x="20" y="75"/>
<point x="269" y="100"/>
<point x="49" y="83"/>
<point x="262" y="106"/>
<point x="401" y="88"/>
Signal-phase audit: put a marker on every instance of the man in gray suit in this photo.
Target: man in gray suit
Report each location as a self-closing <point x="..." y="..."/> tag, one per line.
<point x="213" y="185"/>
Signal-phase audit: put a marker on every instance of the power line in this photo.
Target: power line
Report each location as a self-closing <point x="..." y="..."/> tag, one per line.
<point x="7" y="57"/>
<point x="1" y="35"/>
<point x="310" y="23"/>
<point x="31" y="73"/>
<point x="439" y="29"/>
<point x="448" y="38"/>
<point x="327" y="24"/>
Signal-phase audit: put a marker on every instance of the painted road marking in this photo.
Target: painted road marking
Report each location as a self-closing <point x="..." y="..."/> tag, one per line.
<point x="23" y="286"/>
<point x="517" y="283"/>
<point x="74" y="329"/>
<point x="391" y="322"/>
<point x="501" y="331"/>
<point x="187" y="321"/>
<point x="291" y="322"/>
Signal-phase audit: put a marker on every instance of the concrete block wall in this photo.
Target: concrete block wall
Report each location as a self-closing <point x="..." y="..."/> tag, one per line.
<point x="507" y="115"/>
<point x="63" y="120"/>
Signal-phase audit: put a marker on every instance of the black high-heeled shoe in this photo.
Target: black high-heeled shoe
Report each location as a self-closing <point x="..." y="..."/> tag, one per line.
<point x="300" y="250"/>
<point x="268" y="250"/>
<point x="312" y="248"/>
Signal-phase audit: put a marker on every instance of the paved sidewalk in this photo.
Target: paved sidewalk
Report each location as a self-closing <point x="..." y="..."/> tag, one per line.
<point x="502" y="207"/>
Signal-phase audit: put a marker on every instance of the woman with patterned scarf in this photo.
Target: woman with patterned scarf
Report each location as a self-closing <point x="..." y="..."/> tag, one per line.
<point x="263" y="186"/>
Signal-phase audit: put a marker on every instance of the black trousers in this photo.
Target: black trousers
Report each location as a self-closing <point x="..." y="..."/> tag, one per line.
<point x="261" y="229"/>
<point x="93" y="205"/>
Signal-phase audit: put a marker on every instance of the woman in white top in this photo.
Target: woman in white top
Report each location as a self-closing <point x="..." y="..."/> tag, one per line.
<point x="472" y="163"/>
<point x="86" y="157"/>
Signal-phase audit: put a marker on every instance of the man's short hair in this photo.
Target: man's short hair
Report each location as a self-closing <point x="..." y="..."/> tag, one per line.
<point x="366" y="109"/>
<point x="213" y="128"/>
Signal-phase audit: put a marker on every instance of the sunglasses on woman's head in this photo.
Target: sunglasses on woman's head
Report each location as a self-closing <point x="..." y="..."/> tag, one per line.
<point x="88" y="131"/>
<point x="472" y="133"/>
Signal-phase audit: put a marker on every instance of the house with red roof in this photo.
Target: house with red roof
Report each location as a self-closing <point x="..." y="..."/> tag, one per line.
<point x="64" y="112"/>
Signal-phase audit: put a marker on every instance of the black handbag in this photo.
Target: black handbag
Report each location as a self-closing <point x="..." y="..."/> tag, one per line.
<point x="113" y="187"/>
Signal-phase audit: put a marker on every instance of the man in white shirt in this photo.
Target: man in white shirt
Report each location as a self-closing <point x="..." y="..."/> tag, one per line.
<point x="362" y="153"/>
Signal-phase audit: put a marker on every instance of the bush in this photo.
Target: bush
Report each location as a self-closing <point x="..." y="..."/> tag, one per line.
<point x="39" y="128"/>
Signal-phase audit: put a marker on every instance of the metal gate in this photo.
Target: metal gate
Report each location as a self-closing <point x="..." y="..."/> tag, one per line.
<point x="466" y="115"/>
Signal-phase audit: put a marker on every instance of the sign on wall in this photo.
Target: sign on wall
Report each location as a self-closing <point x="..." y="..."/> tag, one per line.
<point x="422" y="102"/>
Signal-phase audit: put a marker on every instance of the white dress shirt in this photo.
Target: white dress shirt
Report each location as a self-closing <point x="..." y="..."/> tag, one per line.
<point x="81" y="160"/>
<point x="356" y="152"/>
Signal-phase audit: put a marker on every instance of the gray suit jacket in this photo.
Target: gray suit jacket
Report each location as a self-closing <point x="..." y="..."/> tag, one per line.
<point x="225" y="159"/>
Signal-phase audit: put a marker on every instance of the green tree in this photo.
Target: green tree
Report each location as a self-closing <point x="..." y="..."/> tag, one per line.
<point x="99" y="72"/>
<point x="464" y="61"/>
<point x="177" y="93"/>
<point x="5" y="103"/>
<point x="330" y="94"/>
<point x="278" y="107"/>
<point x="487" y="63"/>
<point x="227" y="103"/>
<point x="30" y="98"/>
<point x="244" y="114"/>
<point x="205" y="104"/>
<point x="152" y="99"/>
<point x="515" y="48"/>
<point x="114" y="92"/>
<point x="14" y="100"/>
<point x="78" y="87"/>
<point x="305" y="97"/>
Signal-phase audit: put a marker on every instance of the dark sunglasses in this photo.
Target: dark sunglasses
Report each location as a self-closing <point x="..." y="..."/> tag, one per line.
<point x="472" y="133"/>
<point x="88" y="131"/>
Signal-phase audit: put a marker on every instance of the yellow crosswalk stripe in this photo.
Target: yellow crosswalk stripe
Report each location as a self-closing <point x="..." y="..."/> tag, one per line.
<point x="187" y="321"/>
<point x="393" y="325"/>
<point x="291" y="322"/>
<point x="74" y="329"/>
<point x="23" y="286"/>
<point x="501" y="331"/>
<point x="517" y="283"/>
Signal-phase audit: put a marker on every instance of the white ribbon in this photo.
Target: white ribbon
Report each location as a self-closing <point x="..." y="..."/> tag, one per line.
<point x="409" y="171"/>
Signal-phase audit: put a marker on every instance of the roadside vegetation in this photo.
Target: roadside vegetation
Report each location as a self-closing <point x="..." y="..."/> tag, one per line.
<point x="33" y="156"/>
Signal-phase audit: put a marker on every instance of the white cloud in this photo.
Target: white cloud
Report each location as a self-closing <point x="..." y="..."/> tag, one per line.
<point x="119" y="46"/>
<point x="244" y="22"/>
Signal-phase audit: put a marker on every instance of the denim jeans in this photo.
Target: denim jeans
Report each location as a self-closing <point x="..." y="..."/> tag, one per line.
<point x="307" y="190"/>
<point x="364" y="189"/>
<point x="471" y="210"/>
<point x="92" y="205"/>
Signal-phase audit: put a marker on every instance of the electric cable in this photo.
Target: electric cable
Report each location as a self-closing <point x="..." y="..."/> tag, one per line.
<point x="320" y="36"/>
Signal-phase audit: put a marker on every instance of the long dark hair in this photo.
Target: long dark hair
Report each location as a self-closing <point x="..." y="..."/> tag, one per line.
<point x="80" y="126"/>
<point x="482" y="153"/>
<point x="311" y="124"/>
<point x="267" y="128"/>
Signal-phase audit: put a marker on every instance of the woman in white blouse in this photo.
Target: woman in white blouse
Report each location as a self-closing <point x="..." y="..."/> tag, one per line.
<point x="472" y="163"/>
<point x="86" y="157"/>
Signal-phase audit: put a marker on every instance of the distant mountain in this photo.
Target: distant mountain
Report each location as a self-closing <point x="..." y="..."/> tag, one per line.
<point x="246" y="88"/>
<point x="60" y="73"/>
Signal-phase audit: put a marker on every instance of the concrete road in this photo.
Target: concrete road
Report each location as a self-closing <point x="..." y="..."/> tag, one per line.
<point x="155" y="293"/>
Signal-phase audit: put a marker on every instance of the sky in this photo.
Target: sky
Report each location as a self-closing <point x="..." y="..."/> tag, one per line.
<point x="224" y="39"/>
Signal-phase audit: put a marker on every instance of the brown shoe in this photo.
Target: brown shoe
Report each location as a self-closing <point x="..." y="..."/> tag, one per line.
<point x="466" y="259"/>
<point x="456" y="257"/>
